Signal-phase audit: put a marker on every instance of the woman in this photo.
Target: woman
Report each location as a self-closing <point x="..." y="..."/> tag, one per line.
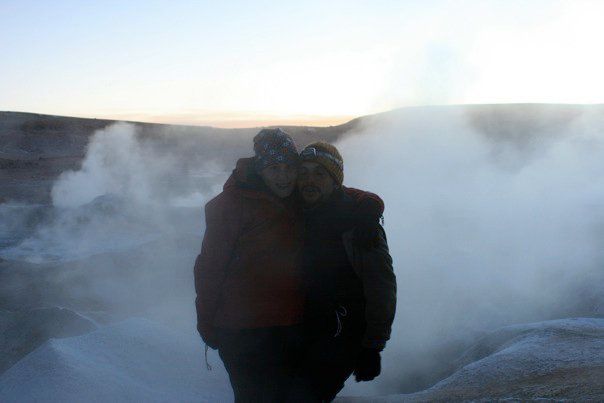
<point x="250" y="297"/>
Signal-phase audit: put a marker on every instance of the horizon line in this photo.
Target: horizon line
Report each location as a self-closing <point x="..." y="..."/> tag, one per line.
<point x="246" y="121"/>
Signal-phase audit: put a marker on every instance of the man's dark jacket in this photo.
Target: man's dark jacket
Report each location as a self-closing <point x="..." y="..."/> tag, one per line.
<point x="373" y="266"/>
<point x="352" y="280"/>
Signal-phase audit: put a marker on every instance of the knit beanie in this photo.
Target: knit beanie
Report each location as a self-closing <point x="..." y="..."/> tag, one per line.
<point x="326" y="155"/>
<point x="274" y="146"/>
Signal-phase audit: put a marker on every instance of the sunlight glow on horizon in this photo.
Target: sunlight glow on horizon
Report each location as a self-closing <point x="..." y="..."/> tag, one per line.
<point x="294" y="64"/>
<point x="230" y="120"/>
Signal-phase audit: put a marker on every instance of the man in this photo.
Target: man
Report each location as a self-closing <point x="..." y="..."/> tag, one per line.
<point x="350" y="284"/>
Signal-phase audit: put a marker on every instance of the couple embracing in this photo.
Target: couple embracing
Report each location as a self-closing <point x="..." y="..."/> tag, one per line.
<point x="294" y="281"/>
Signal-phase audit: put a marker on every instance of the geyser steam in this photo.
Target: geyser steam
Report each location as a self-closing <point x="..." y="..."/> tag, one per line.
<point x="482" y="233"/>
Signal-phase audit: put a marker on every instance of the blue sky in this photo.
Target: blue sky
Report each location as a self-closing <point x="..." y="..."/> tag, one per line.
<point x="241" y="63"/>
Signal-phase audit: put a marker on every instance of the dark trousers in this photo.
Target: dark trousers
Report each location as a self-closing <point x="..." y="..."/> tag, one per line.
<point x="329" y="358"/>
<point x="261" y="363"/>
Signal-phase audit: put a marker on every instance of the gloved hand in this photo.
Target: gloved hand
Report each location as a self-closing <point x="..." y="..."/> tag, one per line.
<point x="366" y="232"/>
<point x="368" y="365"/>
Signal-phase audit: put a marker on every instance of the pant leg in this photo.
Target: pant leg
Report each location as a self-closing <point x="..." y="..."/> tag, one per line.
<point x="329" y="357"/>
<point x="244" y="383"/>
<point x="260" y="362"/>
<point x="329" y="364"/>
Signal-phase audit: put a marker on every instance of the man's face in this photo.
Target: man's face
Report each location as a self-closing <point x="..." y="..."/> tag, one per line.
<point x="280" y="178"/>
<point x="315" y="183"/>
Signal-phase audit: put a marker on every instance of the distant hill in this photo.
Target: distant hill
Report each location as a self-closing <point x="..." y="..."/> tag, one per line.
<point x="35" y="149"/>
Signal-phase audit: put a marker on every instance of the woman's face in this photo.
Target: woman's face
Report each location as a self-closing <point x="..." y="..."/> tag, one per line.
<point x="280" y="178"/>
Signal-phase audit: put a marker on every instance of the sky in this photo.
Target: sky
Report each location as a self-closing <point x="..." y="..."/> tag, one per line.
<point x="255" y="63"/>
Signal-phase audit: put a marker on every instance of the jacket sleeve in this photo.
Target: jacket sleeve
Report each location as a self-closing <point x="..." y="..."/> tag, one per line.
<point x="223" y="217"/>
<point x="374" y="266"/>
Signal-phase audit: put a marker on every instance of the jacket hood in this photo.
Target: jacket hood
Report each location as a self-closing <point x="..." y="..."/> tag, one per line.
<point x="240" y="177"/>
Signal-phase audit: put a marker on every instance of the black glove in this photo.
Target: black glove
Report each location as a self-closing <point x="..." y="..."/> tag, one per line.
<point x="368" y="365"/>
<point x="366" y="232"/>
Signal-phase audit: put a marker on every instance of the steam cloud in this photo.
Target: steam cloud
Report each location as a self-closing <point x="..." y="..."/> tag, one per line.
<point x="484" y="231"/>
<point x="124" y="230"/>
<point x="127" y="192"/>
<point x="119" y="162"/>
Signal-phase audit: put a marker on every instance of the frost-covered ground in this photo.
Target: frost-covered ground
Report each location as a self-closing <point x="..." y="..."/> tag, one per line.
<point x="137" y="360"/>
<point x="131" y="361"/>
<point x="558" y="359"/>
